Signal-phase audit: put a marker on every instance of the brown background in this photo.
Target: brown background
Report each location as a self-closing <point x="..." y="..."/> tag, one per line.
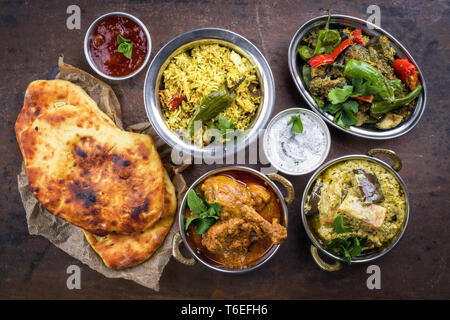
<point x="34" y="33"/>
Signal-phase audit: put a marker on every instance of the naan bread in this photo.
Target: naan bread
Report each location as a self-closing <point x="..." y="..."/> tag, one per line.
<point x="123" y="251"/>
<point x="86" y="170"/>
<point x="44" y="95"/>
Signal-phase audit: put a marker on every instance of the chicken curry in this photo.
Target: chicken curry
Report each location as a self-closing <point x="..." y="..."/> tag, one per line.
<point x="250" y="224"/>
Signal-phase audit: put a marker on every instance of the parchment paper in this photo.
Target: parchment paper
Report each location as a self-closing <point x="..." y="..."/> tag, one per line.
<point x="70" y="238"/>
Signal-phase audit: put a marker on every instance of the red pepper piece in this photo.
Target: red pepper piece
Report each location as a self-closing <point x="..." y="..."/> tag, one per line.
<point x="406" y="71"/>
<point x="320" y="60"/>
<point x="177" y="98"/>
<point x="344" y="45"/>
<point x="367" y="99"/>
<point x="357" y="37"/>
<point x="323" y="59"/>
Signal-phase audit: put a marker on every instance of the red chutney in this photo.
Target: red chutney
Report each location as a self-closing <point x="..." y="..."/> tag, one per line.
<point x="103" y="46"/>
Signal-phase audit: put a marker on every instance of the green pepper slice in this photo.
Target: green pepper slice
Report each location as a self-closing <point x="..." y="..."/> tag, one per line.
<point x="213" y="104"/>
<point x="380" y="107"/>
<point x="360" y="69"/>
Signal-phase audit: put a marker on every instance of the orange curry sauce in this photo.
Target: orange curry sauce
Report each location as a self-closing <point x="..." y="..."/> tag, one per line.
<point x="257" y="250"/>
<point x="103" y="46"/>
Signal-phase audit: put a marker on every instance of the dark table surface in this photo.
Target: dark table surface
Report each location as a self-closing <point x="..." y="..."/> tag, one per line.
<point x="34" y="33"/>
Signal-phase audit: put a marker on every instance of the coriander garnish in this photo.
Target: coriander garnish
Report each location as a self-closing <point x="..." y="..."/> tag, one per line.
<point x="205" y="214"/>
<point x="297" y="125"/>
<point x="125" y="46"/>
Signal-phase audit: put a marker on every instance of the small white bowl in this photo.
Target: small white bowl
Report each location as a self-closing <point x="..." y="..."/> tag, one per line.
<point x="273" y="159"/>
<point x="92" y="63"/>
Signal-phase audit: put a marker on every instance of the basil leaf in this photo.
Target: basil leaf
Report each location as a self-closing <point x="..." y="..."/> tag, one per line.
<point x="195" y="203"/>
<point x="348" y="119"/>
<point x="347" y="255"/>
<point x="356" y="249"/>
<point x="350" y="106"/>
<point x="333" y="108"/>
<point x="361" y="88"/>
<point x="338" y="243"/>
<point x="121" y="39"/>
<point x="204" y="224"/>
<point x="215" y="209"/>
<point x="338" y="225"/>
<point x="125" y="46"/>
<point x="297" y="125"/>
<point x="188" y="221"/>
<point x="339" y="95"/>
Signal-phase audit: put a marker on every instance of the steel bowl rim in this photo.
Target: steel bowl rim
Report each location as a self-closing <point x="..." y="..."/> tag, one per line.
<point x="408" y="125"/>
<point x="328" y="165"/>
<point x="269" y="254"/>
<point x="223" y="35"/>
<point x="92" y="63"/>
<point x="322" y="123"/>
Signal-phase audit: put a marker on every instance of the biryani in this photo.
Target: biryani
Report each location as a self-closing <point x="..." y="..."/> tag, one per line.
<point x="356" y="207"/>
<point x="197" y="75"/>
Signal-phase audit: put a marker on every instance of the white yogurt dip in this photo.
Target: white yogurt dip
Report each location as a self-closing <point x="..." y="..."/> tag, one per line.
<point x="296" y="153"/>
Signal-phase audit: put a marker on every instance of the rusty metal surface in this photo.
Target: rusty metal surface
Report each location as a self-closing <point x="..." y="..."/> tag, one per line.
<point x="34" y="33"/>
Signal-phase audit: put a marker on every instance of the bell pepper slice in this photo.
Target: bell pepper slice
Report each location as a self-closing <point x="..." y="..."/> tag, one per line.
<point x="320" y="60"/>
<point x="367" y="99"/>
<point x="356" y="36"/>
<point x="344" y="45"/>
<point x="406" y="71"/>
<point x="380" y="107"/>
<point x="177" y="98"/>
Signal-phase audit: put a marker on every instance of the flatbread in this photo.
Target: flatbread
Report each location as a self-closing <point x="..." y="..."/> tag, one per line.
<point x="44" y="95"/>
<point x="86" y="170"/>
<point x="124" y="251"/>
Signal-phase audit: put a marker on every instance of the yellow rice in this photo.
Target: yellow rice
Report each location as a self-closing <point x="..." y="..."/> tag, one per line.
<point x="198" y="72"/>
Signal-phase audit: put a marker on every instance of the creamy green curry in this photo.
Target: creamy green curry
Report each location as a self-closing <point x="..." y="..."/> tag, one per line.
<point x="356" y="207"/>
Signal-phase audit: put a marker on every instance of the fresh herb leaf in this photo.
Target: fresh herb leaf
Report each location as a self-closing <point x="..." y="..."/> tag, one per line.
<point x="338" y="243"/>
<point x="333" y="108"/>
<point x="195" y="203"/>
<point x="188" y="221"/>
<point x="348" y="119"/>
<point x="225" y="124"/>
<point x="338" y="225"/>
<point x="215" y="207"/>
<point x="356" y="248"/>
<point x="350" y="247"/>
<point x="204" y="224"/>
<point x="125" y="46"/>
<point x="339" y="95"/>
<point x="362" y="88"/>
<point x="343" y="113"/>
<point x="350" y="106"/>
<point x="297" y="125"/>
<point x="205" y="214"/>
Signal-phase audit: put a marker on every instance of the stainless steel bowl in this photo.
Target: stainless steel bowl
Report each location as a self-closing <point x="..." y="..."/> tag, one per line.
<point x="370" y="133"/>
<point x="373" y="255"/>
<point x="92" y="63"/>
<point x="184" y="42"/>
<point x="268" y="179"/>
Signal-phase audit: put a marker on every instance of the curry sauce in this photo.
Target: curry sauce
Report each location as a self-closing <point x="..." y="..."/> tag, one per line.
<point x="257" y="243"/>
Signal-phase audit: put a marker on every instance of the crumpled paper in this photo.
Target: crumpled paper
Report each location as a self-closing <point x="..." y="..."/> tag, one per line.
<point x="70" y="238"/>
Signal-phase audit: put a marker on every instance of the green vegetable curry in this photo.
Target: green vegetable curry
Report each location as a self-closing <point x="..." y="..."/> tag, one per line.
<point x="358" y="78"/>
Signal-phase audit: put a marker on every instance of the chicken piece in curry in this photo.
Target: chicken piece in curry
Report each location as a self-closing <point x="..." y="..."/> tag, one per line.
<point x="250" y="221"/>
